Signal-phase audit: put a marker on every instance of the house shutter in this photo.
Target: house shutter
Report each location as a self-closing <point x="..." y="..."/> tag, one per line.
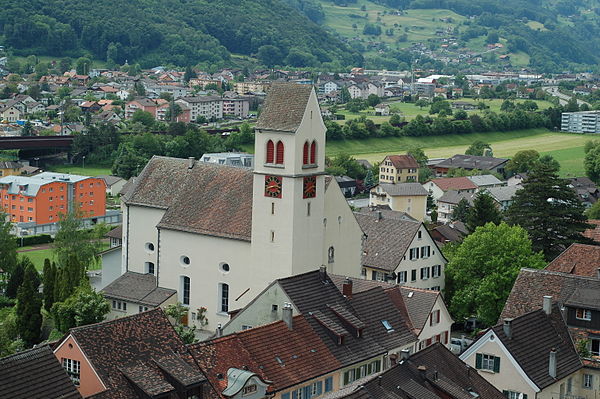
<point x="496" y="364"/>
<point x="438" y="315"/>
<point x="524" y="396"/>
<point x="285" y="395"/>
<point x="373" y="275"/>
<point x="478" y="360"/>
<point x="313" y="152"/>
<point x="328" y="385"/>
<point x="295" y="394"/>
<point x="445" y="337"/>
<point x="431" y="319"/>
<point x="319" y="388"/>
<point x="307" y="392"/>
<point x="505" y="393"/>
<point x="346" y="377"/>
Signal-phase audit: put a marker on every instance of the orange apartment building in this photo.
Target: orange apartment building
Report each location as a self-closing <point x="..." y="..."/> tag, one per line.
<point x="43" y="197"/>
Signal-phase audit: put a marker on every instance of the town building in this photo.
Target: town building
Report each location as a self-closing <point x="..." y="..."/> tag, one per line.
<point x="114" y="184"/>
<point x="503" y="195"/>
<point x="578" y="259"/>
<point x="43" y="197"/>
<point x="410" y="198"/>
<point x="239" y="107"/>
<point x="580" y="122"/>
<point x="250" y="87"/>
<point x="238" y="159"/>
<point x="10" y="168"/>
<point x="470" y="162"/>
<point x="219" y="234"/>
<point x="448" y="202"/>
<point x="437" y="187"/>
<point x="398" y="169"/>
<point x="209" y="107"/>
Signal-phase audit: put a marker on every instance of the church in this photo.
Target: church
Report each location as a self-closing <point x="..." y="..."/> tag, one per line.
<point x="219" y="235"/>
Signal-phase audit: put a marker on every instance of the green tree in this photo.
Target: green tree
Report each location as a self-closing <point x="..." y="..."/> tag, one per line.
<point x="74" y="245"/>
<point x="419" y="155"/>
<point x="572" y="105"/>
<point x="29" y="305"/>
<point x="373" y="100"/>
<point x="421" y="102"/>
<point x="593" y="212"/>
<point x="522" y="161"/>
<point x="143" y="117"/>
<point x="461" y="115"/>
<point x="478" y="148"/>
<point x="269" y="55"/>
<point x="83" y="65"/>
<point x="483" y="269"/>
<point x="176" y="312"/>
<point x="395" y="120"/>
<point x="49" y="279"/>
<point x="189" y="74"/>
<point x="461" y="211"/>
<point x="483" y="211"/>
<point x="85" y="306"/>
<point x="8" y="246"/>
<point x="591" y="161"/>
<point x="440" y="106"/>
<point x="549" y="210"/>
<point x="369" y="179"/>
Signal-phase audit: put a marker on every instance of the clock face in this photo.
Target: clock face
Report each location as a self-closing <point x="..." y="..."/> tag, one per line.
<point x="310" y="187"/>
<point x="273" y="186"/>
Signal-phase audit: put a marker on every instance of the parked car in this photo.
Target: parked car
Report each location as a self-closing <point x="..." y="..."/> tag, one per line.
<point x="458" y="345"/>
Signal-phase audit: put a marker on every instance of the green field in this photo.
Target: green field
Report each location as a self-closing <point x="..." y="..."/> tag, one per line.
<point x="566" y="148"/>
<point x="37" y="256"/>
<point x="88" y="170"/>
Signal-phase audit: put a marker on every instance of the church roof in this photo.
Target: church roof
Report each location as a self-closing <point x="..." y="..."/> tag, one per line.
<point x="284" y="107"/>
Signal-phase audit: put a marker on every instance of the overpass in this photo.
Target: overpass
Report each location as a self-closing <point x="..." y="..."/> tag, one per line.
<point x="35" y="142"/>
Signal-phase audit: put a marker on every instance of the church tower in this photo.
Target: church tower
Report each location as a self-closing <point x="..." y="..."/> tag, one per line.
<point x="289" y="182"/>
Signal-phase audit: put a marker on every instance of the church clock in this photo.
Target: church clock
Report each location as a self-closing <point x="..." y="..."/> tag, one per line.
<point x="310" y="187"/>
<point x="273" y="186"/>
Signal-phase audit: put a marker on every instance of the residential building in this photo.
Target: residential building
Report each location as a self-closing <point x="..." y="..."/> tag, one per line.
<point x="398" y="169"/>
<point x="137" y="356"/>
<point x="10" y="114"/>
<point x="503" y="195"/>
<point x="43" y="197"/>
<point x="437" y="187"/>
<point x="226" y="232"/>
<point x="239" y="107"/>
<point x="133" y="293"/>
<point x="586" y="190"/>
<point x="594" y="232"/>
<point x="410" y="198"/>
<point x="413" y="260"/>
<point x="577" y="297"/>
<point x="450" y="232"/>
<point x="115" y="236"/>
<point x="382" y="110"/>
<point x="35" y="374"/>
<point x="249" y="87"/>
<point x="580" y="122"/>
<point x="578" y="259"/>
<point x="238" y="159"/>
<point x="486" y="181"/>
<point x="155" y="90"/>
<point x="209" y="107"/>
<point x="448" y="202"/>
<point x="531" y="355"/>
<point x="10" y="168"/>
<point x="144" y="104"/>
<point x="347" y="185"/>
<point x="471" y="162"/>
<point x="431" y="373"/>
<point x="114" y="184"/>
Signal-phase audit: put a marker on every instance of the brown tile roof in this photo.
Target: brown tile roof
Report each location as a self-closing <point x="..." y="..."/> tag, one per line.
<point x="419" y="303"/>
<point x="403" y="161"/>
<point x="283" y="356"/>
<point x="471" y="162"/>
<point x="117" y="232"/>
<point x="454" y="183"/>
<point x="580" y="259"/>
<point x="138" y="288"/>
<point x="593" y="233"/>
<point x="125" y="352"/>
<point x="35" y="374"/>
<point x="284" y="107"/>
<point x="531" y="285"/>
<point x="534" y="334"/>
<point x="377" y="251"/>
<point x="445" y="376"/>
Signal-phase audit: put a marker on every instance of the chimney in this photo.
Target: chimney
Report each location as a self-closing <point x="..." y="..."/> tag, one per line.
<point x="422" y="371"/>
<point x="379" y="215"/>
<point x="552" y="363"/>
<point x="435" y="375"/>
<point x="323" y="273"/>
<point x="547" y="304"/>
<point x="287" y="315"/>
<point x="219" y="331"/>
<point x="404" y="354"/>
<point x="347" y="288"/>
<point x="379" y="378"/>
<point x="507" y="327"/>
<point x="191" y="161"/>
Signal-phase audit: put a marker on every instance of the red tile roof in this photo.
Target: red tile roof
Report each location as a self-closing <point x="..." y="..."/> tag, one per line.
<point x="277" y="354"/>
<point x="403" y="161"/>
<point x="579" y="259"/>
<point x="593" y="233"/>
<point x="454" y="183"/>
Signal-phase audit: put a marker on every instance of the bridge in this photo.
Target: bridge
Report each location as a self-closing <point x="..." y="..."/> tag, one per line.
<point x="35" y="142"/>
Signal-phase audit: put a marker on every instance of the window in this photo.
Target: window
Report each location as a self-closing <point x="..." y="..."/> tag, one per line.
<point x="142" y="308"/>
<point x="272" y="208"/>
<point x="149" y="267"/>
<point x="249" y="390"/>
<point x="270" y="152"/>
<point x="73" y="368"/>
<point x="583" y="314"/>
<point x="224" y="297"/>
<point x="419" y="234"/>
<point x="378" y="276"/>
<point x="413" y="275"/>
<point x="487" y="362"/>
<point x="328" y="384"/>
<point x="184" y="260"/>
<point x="331" y="255"/>
<point x="425" y="251"/>
<point x="118" y="305"/>
<point x="387" y="325"/>
<point x="588" y="381"/>
<point x="436" y="288"/>
<point x="246" y="327"/>
<point x="313" y="152"/>
<point x="402" y="277"/>
<point x="434" y="318"/>
<point x="595" y="346"/>
<point x="305" y="156"/>
<point x="424" y="273"/>
<point x="514" y="395"/>
<point x="436" y="271"/>
<point x="279" y="155"/>
<point x="414" y="253"/>
<point x="185" y="290"/>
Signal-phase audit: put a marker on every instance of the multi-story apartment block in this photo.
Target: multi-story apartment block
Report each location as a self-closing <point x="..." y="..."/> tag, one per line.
<point x="210" y="107"/>
<point x="236" y="106"/>
<point x="581" y="122"/>
<point x="42" y="198"/>
<point x="251" y="87"/>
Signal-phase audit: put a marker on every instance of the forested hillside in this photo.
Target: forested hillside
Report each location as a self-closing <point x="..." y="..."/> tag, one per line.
<point x="181" y="32"/>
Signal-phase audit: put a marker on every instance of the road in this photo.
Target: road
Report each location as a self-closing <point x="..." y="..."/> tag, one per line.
<point x="563" y="99"/>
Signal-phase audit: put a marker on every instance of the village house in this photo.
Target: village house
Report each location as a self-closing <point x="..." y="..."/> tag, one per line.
<point x="10" y="168"/>
<point x="470" y="162"/>
<point x="448" y="202"/>
<point x="529" y="356"/>
<point x="398" y="169"/>
<point x="414" y="259"/>
<point x="578" y="259"/>
<point x="437" y="187"/>
<point x="402" y="197"/>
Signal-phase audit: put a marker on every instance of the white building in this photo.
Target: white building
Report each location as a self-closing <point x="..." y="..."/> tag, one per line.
<point x="238" y="159"/>
<point x="219" y="234"/>
<point x="210" y="107"/>
<point x="581" y="122"/>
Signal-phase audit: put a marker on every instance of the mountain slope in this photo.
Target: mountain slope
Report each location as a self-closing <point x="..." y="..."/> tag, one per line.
<point x="181" y="32"/>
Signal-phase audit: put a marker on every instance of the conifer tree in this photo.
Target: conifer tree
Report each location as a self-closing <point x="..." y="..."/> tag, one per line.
<point x="8" y="246"/>
<point x="49" y="279"/>
<point x="484" y="210"/>
<point x="549" y="211"/>
<point x="29" y="305"/>
<point x="461" y="211"/>
<point x="15" y="280"/>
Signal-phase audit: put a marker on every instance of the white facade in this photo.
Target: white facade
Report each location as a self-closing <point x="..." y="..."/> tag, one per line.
<point x="437" y="327"/>
<point x="581" y="122"/>
<point x="208" y="107"/>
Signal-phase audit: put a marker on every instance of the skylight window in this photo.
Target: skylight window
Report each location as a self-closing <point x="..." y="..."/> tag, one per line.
<point x="387" y="325"/>
<point x="410" y="294"/>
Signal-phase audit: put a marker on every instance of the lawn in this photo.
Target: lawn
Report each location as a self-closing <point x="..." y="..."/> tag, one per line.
<point x="88" y="170"/>
<point x="37" y="256"/>
<point x="566" y="148"/>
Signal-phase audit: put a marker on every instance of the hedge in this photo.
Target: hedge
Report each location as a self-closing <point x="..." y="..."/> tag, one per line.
<point x="26" y="241"/>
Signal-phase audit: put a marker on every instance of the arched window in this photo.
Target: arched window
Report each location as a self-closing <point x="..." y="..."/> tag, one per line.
<point x="331" y="255"/>
<point x="270" y="151"/>
<point x="313" y="152"/>
<point x="279" y="156"/>
<point x="305" y="154"/>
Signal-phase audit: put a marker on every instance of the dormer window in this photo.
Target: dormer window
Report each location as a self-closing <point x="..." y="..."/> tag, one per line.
<point x="583" y="314"/>
<point x="249" y="390"/>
